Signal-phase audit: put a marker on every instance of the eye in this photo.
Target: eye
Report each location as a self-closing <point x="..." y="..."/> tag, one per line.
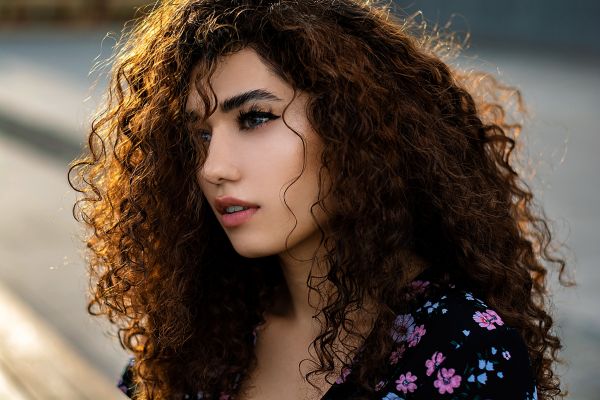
<point x="247" y="120"/>
<point x="204" y="136"/>
<point x="254" y="118"/>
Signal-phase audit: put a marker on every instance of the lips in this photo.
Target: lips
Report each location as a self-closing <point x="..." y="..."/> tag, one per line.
<point x="221" y="203"/>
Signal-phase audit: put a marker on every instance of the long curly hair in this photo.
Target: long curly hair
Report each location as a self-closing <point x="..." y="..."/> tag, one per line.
<point x="421" y="160"/>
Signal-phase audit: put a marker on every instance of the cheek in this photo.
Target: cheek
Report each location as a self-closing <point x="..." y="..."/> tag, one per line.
<point x="273" y="165"/>
<point x="203" y="184"/>
<point x="304" y="192"/>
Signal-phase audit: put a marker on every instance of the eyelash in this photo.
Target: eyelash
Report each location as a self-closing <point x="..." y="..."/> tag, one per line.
<point x="244" y="116"/>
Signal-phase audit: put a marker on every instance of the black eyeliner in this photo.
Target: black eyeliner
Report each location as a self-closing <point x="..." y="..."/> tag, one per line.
<point x="255" y="111"/>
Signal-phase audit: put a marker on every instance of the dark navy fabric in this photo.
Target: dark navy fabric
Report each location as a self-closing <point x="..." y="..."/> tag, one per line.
<point x="448" y="345"/>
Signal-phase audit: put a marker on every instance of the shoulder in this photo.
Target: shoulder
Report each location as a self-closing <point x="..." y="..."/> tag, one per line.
<point x="451" y="343"/>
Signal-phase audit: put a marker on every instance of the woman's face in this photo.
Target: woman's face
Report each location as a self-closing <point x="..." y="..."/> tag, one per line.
<point x="253" y="157"/>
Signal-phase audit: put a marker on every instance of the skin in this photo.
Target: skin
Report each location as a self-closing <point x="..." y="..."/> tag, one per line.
<point x="257" y="165"/>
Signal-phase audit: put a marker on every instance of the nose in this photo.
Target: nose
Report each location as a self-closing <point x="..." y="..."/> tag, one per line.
<point x="220" y="163"/>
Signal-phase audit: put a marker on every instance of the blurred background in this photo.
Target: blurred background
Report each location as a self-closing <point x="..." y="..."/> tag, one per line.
<point x="51" y="348"/>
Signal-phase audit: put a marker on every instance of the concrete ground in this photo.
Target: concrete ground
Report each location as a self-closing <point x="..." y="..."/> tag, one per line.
<point x="43" y="86"/>
<point x="43" y="116"/>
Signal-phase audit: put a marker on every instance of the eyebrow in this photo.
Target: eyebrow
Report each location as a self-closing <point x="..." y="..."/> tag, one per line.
<point x="240" y="99"/>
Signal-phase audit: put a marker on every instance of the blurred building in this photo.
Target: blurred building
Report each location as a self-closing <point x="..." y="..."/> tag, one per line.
<point x="570" y="26"/>
<point x="67" y="11"/>
<point x="551" y="25"/>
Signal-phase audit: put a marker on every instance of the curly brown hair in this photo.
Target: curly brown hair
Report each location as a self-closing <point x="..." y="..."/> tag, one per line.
<point x="421" y="162"/>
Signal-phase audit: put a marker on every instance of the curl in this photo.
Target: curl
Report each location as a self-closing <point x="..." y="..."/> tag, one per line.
<point x="419" y="160"/>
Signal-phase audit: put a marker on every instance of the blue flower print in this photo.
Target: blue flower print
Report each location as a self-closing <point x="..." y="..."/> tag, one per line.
<point x="488" y="366"/>
<point x="459" y="348"/>
<point x="482" y="378"/>
<point x="392" y="396"/>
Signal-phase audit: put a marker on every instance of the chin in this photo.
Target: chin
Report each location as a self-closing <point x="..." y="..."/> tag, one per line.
<point x="254" y="250"/>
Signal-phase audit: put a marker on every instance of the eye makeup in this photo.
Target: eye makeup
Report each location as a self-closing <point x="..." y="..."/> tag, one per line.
<point x="254" y="113"/>
<point x="252" y="118"/>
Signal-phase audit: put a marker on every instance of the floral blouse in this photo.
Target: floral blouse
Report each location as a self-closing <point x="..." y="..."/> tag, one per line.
<point x="448" y="345"/>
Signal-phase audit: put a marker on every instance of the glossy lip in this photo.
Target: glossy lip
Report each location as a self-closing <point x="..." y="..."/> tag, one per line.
<point x="221" y="203"/>
<point x="237" y="218"/>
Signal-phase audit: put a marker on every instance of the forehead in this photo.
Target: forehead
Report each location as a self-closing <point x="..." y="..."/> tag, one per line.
<point x="236" y="73"/>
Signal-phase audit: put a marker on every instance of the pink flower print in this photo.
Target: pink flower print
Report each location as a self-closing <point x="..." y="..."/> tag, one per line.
<point x="506" y="355"/>
<point x="405" y="383"/>
<point x="487" y="319"/>
<point x="403" y="327"/>
<point x="122" y="387"/>
<point x="419" y="286"/>
<point x="447" y="381"/>
<point x="495" y="316"/>
<point x="397" y="354"/>
<point x="345" y="372"/>
<point x="433" y="363"/>
<point x="416" y="336"/>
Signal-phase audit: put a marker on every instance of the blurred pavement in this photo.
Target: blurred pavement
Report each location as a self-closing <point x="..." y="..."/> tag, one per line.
<point x="562" y="93"/>
<point x="43" y="119"/>
<point x="43" y="83"/>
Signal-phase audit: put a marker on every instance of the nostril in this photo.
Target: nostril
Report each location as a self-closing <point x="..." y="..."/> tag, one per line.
<point x="209" y="176"/>
<point x="218" y="173"/>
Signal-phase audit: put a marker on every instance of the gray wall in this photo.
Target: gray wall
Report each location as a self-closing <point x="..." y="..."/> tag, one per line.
<point x="568" y="26"/>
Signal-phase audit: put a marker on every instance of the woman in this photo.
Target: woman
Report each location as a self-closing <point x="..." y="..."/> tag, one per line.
<point x="300" y="200"/>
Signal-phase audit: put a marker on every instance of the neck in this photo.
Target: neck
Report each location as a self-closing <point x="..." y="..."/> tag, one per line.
<point x="296" y="302"/>
<point x="297" y="306"/>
